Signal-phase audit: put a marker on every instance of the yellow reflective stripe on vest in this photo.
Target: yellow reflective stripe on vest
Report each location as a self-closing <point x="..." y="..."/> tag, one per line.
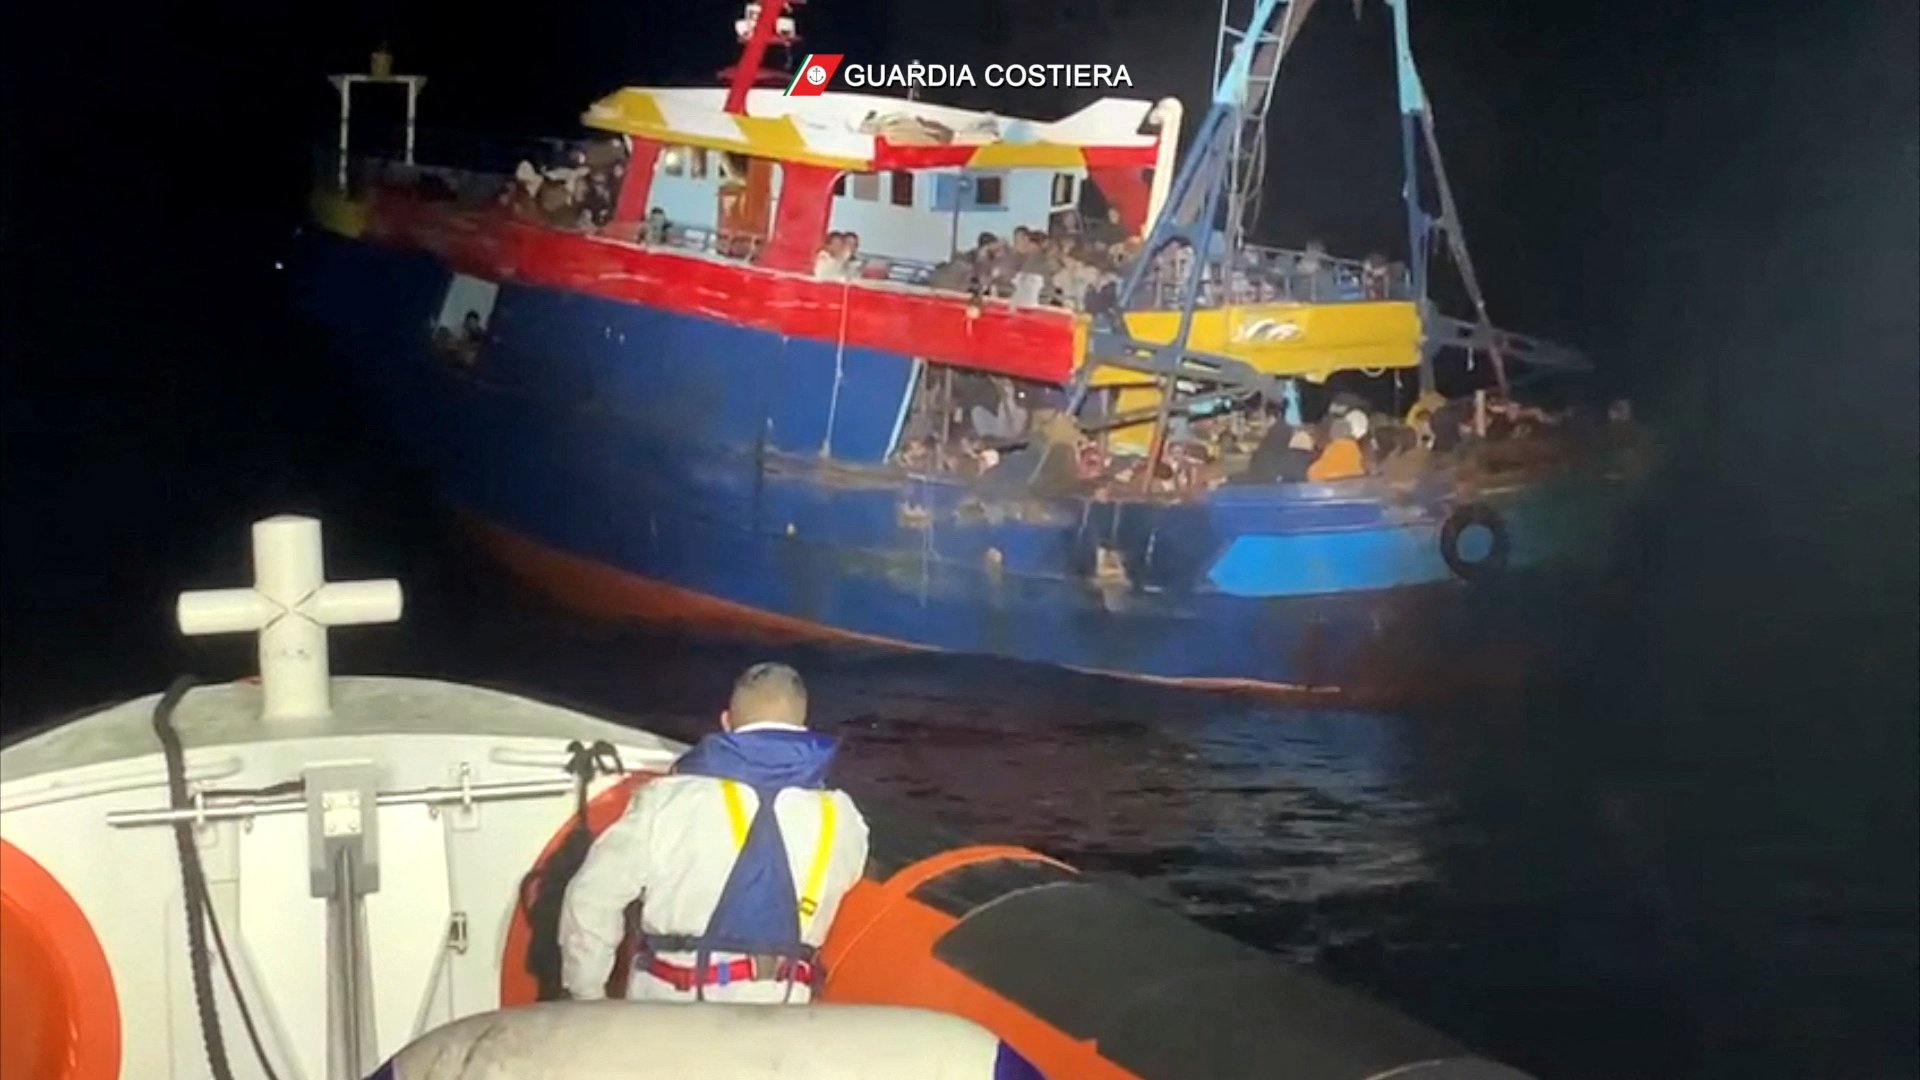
<point x="736" y="812"/>
<point x="817" y="874"/>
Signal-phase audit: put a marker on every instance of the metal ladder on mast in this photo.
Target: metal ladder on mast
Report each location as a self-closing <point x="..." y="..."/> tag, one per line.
<point x="1246" y="163"/>
<point x="1222" y="172"/>
<point x="1204" y="185"/>
<point x="1444" y="331"/>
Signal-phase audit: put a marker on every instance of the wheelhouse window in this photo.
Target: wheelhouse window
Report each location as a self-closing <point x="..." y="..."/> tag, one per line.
<point x="866" y="187"/>
<point x="466" y="316"/>
<point x="901" y="188"/>
<point x="968" y="191"/>
<point x="1063" y="191"/>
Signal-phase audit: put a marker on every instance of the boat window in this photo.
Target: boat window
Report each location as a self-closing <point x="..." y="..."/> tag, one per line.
<point x="866" y="187"/>
<point x="673" y="161"/>
<point x="697" y="163"/>
<point x="466" y="316"/>
<point x="1063" y="193"/>
<point x="968" y="191"/>
<point x="902" y="188"/>
<point x="467" y="294"/>
<point x="733" y="167"/>
<point x="840" y="185"/>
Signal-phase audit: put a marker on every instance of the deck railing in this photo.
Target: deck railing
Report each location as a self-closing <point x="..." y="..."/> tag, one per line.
<point x="1256" y="274"/>
<point x="1267" y="274"/>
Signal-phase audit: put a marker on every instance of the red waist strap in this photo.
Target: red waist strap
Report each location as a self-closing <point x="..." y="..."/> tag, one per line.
<point x="745" y="969"/>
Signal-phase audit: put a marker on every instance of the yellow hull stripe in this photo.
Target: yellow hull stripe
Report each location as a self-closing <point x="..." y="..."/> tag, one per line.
<point x="1311" y="341"/>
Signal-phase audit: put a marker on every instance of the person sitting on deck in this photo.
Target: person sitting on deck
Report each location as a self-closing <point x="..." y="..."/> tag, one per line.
<point x="830" y="263"/>
<point x="1075" y="282"/>
<point x="463" y="345"/>
<point x="969" y="271"/>
<point x="1313" y="274"/>
<point x="1025" y="269"/>
<point x="1008" y="420"/>
<point x="1109" y="230"/>
<point x="920" y="454"/>
<point x="1374" y="280"/>
<point x="1341" y="458"/>
<point x="1050" y="458"/>
<point x="1282" y="456"/>
<point x="1406" y="457"/>
<point x="850" y="254"/>
<point x="527" y="177"/>
<point x="1104" y="294"/>
<point x="596" y="203"/>
<point x="740" y="857"/>
<point x="1452" y="424"/>
<point x="657" y="229"/>
<point x="1381" y="438"/>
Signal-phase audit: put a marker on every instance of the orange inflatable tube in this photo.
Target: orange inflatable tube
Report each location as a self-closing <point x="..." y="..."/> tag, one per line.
<point x="1088" y="981"/>
<point x="59" y="1012"/>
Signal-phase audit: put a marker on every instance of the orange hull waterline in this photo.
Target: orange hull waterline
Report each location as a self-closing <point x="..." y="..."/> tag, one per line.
<point x="589" y="588"/>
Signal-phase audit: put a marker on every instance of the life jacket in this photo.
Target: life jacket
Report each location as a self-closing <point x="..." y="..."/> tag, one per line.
<point x="760" y="909"/>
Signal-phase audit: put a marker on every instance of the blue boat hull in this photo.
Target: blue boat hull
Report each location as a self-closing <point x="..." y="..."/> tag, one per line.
<point x="634" y="459"/>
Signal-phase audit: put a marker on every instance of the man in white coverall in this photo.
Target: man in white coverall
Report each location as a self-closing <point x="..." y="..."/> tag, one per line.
<point x="740" y="856"/>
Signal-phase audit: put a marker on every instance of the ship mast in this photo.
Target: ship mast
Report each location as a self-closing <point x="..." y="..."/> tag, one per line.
<point x="1416" y="122"/>
<point x="1247" y="156"/>
<point x="759" y="27"/>
<point x="1201" y="190"/>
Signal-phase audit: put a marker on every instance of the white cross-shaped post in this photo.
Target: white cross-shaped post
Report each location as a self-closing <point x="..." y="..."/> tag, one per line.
<point x="290" y="605"/>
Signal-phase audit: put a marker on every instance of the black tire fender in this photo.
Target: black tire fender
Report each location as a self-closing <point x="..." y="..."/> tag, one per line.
<point x="1464" y="517"/>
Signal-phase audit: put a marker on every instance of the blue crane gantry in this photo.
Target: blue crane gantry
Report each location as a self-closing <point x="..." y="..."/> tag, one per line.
<point x="1212" y="199"/>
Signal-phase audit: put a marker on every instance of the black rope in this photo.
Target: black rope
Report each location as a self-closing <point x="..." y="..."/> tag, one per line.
<point x="199" y="899"/>
<point x="543" y="890"/>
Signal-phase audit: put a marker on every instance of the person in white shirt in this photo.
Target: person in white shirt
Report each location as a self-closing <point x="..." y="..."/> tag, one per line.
<point x="831" y="263"/>
<point x="740" y="857"/>
<point x="850" y="261"/>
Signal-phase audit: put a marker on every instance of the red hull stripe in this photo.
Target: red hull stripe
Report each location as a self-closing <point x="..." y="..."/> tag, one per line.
<point x="1031" y="343"/>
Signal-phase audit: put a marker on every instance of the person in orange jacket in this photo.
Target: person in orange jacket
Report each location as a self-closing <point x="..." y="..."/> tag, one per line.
<point x="1341" y="459"/>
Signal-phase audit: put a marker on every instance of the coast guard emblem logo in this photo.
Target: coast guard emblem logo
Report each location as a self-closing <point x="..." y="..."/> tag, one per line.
<point x="814" y="74"/>
<point x="1270" y="330"/>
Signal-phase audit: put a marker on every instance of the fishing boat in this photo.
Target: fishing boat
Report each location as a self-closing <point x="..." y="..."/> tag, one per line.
<point x="656" y="406"/>
<point x="298" y="875"/>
